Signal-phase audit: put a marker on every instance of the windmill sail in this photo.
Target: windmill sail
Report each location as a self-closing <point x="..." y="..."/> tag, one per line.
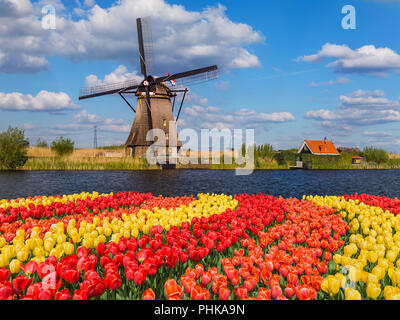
<point x="148" y="47"/>
<point x="97" y="91"/>
<point x="194" y="79"/>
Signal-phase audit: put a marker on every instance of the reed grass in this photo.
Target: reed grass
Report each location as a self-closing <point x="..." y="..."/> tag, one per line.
<point x="96" y="159"/>
<point x="71" y="163"/>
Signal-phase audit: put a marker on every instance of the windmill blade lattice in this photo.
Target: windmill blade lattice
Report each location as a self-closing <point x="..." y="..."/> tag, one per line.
<point x="96" y="91"/>
<point x="148" y="46"/>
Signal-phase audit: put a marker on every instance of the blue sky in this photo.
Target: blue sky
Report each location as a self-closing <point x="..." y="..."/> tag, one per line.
<point x="288" y="68"/>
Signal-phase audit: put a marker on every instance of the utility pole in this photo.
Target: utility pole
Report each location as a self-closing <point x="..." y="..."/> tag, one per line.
<point x="95" y="138"/>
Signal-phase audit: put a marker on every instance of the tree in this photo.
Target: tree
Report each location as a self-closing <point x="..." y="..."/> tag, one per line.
<point x="372" y="154"/>
<point x="42" y="143"/>
<point x="63" y="146"/>
<point x="13" y="148"/>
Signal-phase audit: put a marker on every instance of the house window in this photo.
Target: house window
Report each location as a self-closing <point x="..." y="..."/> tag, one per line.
<point x="165" y="123"/>
<point x="167" y="136"/>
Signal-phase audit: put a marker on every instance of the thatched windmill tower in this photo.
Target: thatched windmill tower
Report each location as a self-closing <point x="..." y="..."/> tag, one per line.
<point x="154" y="109"/>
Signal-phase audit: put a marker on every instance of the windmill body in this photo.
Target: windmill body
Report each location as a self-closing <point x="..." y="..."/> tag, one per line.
<point x="154" y="109"/>
<point x="159" y="117"/>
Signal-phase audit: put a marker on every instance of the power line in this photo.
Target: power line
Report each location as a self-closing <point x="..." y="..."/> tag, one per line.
<point x="95" y="138"/>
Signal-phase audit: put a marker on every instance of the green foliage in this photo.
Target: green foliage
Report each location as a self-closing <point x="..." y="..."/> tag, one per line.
<point x="63" y="146"/>
<point x="13" y="149"/>
<point x="376" y="155"/>
<point x="264" y="151"/>
<point x="286" y="157"/>
<point x="42" y="143"/>
<point x="343" y="161"/>
<point x="394" y="163"/>
<point x="92" y="164"/>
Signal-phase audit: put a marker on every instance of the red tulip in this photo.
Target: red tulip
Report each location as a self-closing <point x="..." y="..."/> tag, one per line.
<point x="113" y="281"/>
<point x="149" y="295"/>
<point x="71" y="276"/>
<point x="45" y="294"/>
<point x="289" y="291"/>
<point x="198" y="293"/>
<point x="241" y="293"/>
<point x="30" y="268"/>
<point x="205" y="279"/>
<point x="21" y="283"/>
<point x="139" y="277"/>
<point x="80" y="294"/>
<point x="173" y="290"/>
<point x="224" y="293"/>
<point x="63" y="295"/>
<point x="276" y="291"/>
<point x="264" y="293"/>
<point x="4" y="275"/>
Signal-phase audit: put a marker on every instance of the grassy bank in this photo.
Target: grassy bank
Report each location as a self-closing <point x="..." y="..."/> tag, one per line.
<point x="65" y="163"/>
<point x="113" y="158"/>
<point x="84" y="159"/>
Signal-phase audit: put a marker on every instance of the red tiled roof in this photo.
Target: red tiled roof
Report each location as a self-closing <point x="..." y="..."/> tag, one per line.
<point x="320" y="147"/>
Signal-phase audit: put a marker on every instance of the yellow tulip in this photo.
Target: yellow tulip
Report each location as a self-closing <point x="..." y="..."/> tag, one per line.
<point x="354" y="274"/>
<point x="372" y="256"/>
<point x="394" y="275"/>
<point x="68" y="248"/>
<point x="352" y="294"/>
<point x="15" y="266"/>
<point x="373" y="290"/>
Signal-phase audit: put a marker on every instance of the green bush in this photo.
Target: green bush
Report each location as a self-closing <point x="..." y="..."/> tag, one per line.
<point x="62" y="146"/>
<point x="376" y="155"/>
<point x="286" y="157"/>
<point x="41" y="144"/>
<point x="342" y="161"/>
<point x="394" y="163"/>
<point x="264" y="151"/>
<point x="13" y="149"/>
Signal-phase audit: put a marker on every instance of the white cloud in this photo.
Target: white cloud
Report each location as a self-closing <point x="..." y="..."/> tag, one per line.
<point x="43" y="101"/>
<point x="360" y="108"/>
<point x="86" y="121"/>
<point x="89" y="3"/>
<point x="367" y="59"/>
<point x="120" y="74"/>
<point x="182" y="39"/>
<point x="375" y="134"/>
<point x="212" y="117"/>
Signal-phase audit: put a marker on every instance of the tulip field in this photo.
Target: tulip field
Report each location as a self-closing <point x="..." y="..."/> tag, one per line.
<point x="133" y="246"/>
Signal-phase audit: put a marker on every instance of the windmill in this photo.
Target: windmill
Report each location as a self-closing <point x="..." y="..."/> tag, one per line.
<point x="154" y="109"/>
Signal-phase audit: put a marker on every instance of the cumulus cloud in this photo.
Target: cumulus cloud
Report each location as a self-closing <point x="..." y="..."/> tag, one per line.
<point x="364" y="60"/>
<point x="182" y="39"/>
<point x="375" y="134"/>
<point x="212" y="117"/>
<point x="86" y="121"/>
<point x="121" y="74"/>
<point x="43" y="101"/>
<point x="360" y="108"/>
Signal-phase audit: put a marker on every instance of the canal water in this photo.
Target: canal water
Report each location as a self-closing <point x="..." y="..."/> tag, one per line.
<point x="188" y="182"/>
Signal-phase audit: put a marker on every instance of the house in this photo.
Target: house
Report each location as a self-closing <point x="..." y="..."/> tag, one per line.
<point x="357" y="160"/>
<point x="318" y="147"/>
